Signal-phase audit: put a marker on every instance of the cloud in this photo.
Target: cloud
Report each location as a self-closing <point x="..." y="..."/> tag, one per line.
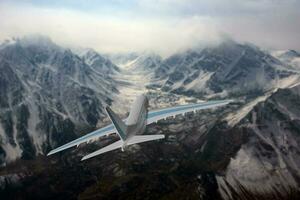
<point x="267" y="23"/>
<point x="163" y="26"/>
<point x="107" y="34"/>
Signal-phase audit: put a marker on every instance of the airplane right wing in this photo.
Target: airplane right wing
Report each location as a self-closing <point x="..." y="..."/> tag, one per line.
<point x="154" y="116"/>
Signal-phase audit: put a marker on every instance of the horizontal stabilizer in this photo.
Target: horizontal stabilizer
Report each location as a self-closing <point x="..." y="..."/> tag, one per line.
<point x="144" y="138"/>
<point x="134" y="140"/>
<point x="108" y="148"/>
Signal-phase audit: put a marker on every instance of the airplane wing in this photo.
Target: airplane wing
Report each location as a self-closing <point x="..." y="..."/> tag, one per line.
<point x="86" y="138"/>
<point x="116" y="145"/>
<point x="154" y="116"/>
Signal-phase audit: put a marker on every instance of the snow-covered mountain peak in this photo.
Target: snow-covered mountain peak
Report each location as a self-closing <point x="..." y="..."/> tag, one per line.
<point x="46" y="92"/>
<point x="120" y="59"/>
<point x="228" y="67"/>
<point x="146" y="61"/>
<point x="98" y="62"/>
<point x="37" y="41"/>
<point x="8" y="42"/>
<point x="290" y="57"/>
<point x="288" y="54"/>
<point x="139" y="62"/>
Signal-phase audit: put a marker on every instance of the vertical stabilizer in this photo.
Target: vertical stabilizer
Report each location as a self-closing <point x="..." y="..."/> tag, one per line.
<point x="118" y="123"/>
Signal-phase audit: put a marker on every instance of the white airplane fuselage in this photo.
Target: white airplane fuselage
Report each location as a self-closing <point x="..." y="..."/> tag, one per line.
<point x="137" y="119"/>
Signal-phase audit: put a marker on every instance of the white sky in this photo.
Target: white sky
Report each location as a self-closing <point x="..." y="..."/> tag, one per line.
<point x="164" y="26"/>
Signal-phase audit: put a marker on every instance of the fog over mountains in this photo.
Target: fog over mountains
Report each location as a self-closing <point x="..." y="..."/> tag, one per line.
<point x="50" y="95"/>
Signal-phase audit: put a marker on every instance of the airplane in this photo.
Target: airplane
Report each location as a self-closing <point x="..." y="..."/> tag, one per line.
<point x="130" y="130"/>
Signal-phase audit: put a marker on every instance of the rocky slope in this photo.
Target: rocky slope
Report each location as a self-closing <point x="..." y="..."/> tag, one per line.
<point x="270" y="156"/>
<point x="291" y="57"/>
<point x="246" y="150"/>
<point x="202" y="157"/>
<point x="226" y="69"/>
<point x="47" y="92"/>
<point x="98" y="62"/>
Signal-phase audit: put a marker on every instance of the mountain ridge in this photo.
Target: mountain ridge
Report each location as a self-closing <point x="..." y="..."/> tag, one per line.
<point x="48" y="92"/>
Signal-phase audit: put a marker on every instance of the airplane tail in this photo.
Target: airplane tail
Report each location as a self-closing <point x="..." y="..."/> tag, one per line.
<point x="116" y="145"/>
<point x="122" y="132"/>
<point x="118" y="123"/>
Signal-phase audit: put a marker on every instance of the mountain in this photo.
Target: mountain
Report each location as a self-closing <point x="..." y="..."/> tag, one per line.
<point x="48" y="94"/>
<point x="136" y="71"/>
<point x="144" y="62"/>
<point x="286" y="55"/>
<point x="98" y="62"/>
<point x="226" y="69"/>
<point x="202" y="157"/>
<point x="290" y="57"/>
<point x="268" y="159"/>
<point x="121" y="59"/>
<point x="248" y="149"/>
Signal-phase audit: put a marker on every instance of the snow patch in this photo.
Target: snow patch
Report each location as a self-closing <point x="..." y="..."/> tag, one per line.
<point x="246" y="170"/>
<point x="12" y="153"/>
<point x="199" y="84"/>
<point x="235" y="117"/>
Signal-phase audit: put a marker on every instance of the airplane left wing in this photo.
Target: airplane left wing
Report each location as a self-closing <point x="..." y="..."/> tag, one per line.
<point x="86" y="138"/>
<point x="154" y="116"/>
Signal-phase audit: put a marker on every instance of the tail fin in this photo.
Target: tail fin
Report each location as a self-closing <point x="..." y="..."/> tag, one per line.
<point x="118" y="123"/>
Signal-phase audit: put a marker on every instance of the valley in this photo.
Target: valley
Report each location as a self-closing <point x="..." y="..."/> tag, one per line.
<point x="246" y="150"/>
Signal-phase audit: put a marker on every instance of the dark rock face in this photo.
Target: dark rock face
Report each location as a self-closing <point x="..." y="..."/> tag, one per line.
<point x="10" y="83"/>
<point x="272" y="144"/>
<point x="201" y="158"/>
<point x="46" y="93"/>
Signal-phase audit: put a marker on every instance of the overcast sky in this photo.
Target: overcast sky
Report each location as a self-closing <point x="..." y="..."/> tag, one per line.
<point x="164" y="26"/>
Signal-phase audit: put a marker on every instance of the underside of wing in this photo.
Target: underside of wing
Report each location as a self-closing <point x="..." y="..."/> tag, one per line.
<point x="156" y="115"/>
<point x="86" y="138"/>
<point x="108" y="148"/>
<point x="144" y="138"/>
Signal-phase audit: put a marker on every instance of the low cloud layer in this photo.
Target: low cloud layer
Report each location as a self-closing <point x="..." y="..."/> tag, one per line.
<point x="163" y="26"/>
